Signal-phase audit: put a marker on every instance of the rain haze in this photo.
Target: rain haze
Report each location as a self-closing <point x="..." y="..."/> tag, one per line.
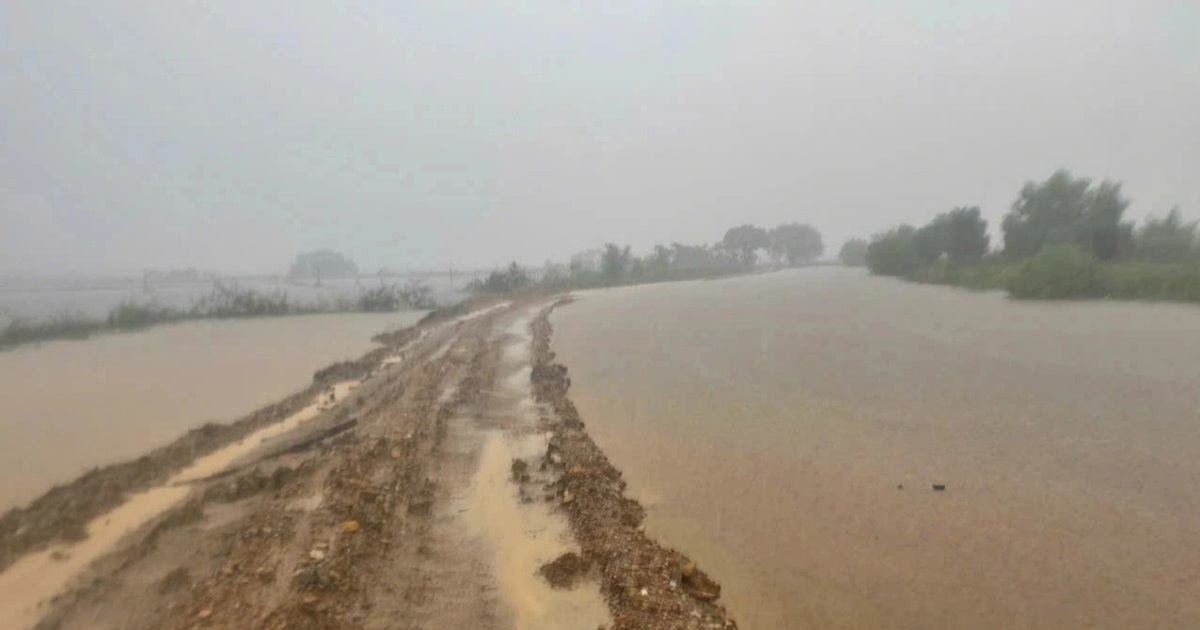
<point x="230" y="136"/>
<point x="517" y="315"/>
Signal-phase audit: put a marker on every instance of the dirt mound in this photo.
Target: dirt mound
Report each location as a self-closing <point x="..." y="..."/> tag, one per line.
<point x="647" y="585"/>
<point x="565" y="570"/>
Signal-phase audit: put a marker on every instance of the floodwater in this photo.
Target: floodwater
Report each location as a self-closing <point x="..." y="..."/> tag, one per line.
<point x="67" y="406"/>
<point x="37" y="577"/>
<point x="786" y="430"/>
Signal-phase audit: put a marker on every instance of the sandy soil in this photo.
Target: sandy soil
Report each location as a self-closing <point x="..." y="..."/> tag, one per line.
<point x="419" y="487"/>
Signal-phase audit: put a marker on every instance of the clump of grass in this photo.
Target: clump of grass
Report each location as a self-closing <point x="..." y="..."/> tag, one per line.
<point x="232" y="301"/>
<point x="68" y="326"/>
<point x="131" y="315"/>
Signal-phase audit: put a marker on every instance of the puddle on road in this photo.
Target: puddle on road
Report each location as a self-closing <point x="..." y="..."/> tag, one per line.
<point x="37" y="577"/>
<point x="524" y="538"/>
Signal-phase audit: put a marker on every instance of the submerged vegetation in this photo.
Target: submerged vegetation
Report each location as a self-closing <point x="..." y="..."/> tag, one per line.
<point x="1063" y="238"/>
<point x="224" y="301"/>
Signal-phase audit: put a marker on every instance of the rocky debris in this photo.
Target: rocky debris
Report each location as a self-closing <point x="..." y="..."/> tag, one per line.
<point x="520" y="470"/>
<point x="177" y="579"/>
<point x="645" y="583"/>
<point x="697" y="584"/>
<point x="564" y="571"/>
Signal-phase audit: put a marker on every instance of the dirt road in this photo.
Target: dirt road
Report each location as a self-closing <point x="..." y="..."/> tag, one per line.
<point x="444" y="481"/>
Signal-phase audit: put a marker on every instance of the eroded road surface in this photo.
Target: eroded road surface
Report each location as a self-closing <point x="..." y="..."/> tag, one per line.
<point x="444" y="481"/>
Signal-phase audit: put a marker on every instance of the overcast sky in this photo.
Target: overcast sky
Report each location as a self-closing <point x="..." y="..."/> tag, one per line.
<point x="232" y="135"/>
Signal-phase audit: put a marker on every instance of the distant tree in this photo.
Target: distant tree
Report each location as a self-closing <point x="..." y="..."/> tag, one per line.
<point x="553" y="273"/>
<point x="893" y="253"/>
<point x="853" y="253"/>
<point x="929" y="242"/>
<point x="658" y="264"/>
<point x="1167" y="240"/>
<point x="1068" y="210"/>
<point x="960" y="235"/>
<point x="637" y="269"/>
<point x="966" y="237"/>
<point x="795" y="243"/>
<point x="322" y="264"/>
<point x="614" y="263"/>
<point x="690" y="260"/>
<point x="743" y="241"/>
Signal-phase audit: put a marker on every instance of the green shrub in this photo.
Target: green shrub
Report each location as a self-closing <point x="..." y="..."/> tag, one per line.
<point x="1058" y="272"/>
<point x="1144" y="281"/>
<point x="980" y="277"/>
<point x="894" y="253"/>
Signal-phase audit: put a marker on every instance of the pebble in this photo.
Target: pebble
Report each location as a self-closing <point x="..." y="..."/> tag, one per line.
<point x="317" y="554"/>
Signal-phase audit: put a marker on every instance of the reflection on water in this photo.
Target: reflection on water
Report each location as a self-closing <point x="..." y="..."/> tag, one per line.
<point x="68" y="406"/>
<point x="786" y="429"/>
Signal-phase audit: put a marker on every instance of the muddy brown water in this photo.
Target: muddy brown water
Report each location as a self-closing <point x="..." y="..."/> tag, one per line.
<point x="786" y="430"/>
<point x="68" y="406"/>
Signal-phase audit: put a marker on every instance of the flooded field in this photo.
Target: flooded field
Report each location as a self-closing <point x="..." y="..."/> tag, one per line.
<point x="786" y="430"/>
<point x="67" y="406"/>
<point x="39" y="299"/>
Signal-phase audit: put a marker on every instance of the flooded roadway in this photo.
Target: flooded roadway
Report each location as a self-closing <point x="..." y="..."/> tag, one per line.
<point x="786" y="430"/>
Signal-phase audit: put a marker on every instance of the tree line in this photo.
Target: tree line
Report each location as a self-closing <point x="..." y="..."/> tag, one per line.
<point x="1066" y="236"/>
<point x="742" y="248"/>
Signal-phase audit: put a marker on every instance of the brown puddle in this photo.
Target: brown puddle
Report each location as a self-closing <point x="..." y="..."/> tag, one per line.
<point x="524" y="538"/>
<point x="37" y="577"/>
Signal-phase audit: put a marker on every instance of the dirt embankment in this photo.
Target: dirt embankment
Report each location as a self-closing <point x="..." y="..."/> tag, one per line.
<point x="62" y="514"/>
<point x="647" y="585"/>
<point x="306" y="537"/>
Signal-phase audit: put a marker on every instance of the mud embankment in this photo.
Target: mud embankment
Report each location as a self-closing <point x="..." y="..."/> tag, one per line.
<point x="647" y="585"/>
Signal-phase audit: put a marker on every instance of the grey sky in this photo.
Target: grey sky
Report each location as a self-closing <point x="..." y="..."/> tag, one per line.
<point x="230" y="135"/>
